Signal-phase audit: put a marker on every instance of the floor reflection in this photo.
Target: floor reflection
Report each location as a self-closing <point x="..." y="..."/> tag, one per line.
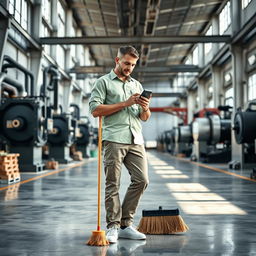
<point x="158" y="244"/>
<point x="11" y="192"/>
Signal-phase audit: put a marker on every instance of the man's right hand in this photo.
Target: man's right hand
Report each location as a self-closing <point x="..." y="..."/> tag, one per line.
<point x="132" y="100"/>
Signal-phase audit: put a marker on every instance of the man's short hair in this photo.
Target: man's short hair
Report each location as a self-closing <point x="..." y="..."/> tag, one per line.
<point x="128" y="49"/>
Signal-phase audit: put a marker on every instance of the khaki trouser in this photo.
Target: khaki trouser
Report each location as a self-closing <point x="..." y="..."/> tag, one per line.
<point x="134" y="158"/>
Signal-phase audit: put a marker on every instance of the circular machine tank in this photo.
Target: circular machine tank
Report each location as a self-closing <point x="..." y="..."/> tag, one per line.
<point x="212" y="129"/>
<point x="22" y="121"/>
<point x="245" y="125"/>
<point x="62" y="133"/>
<point x="184" y="134"/>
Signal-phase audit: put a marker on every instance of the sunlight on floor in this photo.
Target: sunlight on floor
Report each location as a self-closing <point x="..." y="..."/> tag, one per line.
<point x="184" y="187"/>
<point x="198" y="196"/>
<point x="168" y="172"/>
<point x="211" y="208"/>
<point x="163" y="167"/>
<point x="193" y="198"/>
<point x="174" y="176"/>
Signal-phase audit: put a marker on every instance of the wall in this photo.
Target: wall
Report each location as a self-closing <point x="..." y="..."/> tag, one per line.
<point x="158" y="122"/>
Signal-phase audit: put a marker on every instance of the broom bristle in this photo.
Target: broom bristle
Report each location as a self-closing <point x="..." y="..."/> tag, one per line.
<point x="98" y="238"/>
<point x="157" y="225"/>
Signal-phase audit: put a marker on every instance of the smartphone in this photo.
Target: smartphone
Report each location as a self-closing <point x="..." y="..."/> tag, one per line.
<point x="146" y="94"/>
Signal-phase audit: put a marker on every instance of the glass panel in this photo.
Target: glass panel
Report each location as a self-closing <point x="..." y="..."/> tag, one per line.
<point x="24" y="15"/>
<point x="208" y="47"/>
<point x="229" y="97"/>
<point x="245" y="3"/>
<point x="252" y="87"/>
<point x="224" y="18"/>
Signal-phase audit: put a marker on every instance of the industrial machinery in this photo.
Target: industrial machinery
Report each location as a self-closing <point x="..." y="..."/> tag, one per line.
<point x="169" y="141"/>
<point x="245" y="134"/>
<point x="85" y="136"/>
<point x="61" y="138"/>
<point x="183" y="140"/>
<point x="23" y="119"/>
<point x="212" y="139"/>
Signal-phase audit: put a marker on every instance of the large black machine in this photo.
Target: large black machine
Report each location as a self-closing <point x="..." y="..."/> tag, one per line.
<point x="245" y="135"/>
<point x="24" y="122"/>
<point x="85" y="136"/>
<point x="212" y="138"/>
<point x="183" y="140"/>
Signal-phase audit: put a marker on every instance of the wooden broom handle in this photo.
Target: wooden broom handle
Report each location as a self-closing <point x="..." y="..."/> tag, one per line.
<point x="99" y="169"/>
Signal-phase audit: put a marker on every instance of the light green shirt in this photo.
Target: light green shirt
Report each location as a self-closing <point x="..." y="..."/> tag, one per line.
<point x="123" y="126"/>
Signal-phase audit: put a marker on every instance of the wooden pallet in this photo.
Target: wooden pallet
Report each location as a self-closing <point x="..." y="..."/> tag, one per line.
<point x="10" y="178"/>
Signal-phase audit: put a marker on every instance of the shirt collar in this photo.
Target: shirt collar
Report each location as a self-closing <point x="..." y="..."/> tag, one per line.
<point x="113" y="76"/>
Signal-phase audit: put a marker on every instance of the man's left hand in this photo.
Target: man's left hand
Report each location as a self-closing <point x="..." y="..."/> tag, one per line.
<point x="143" y="102"/>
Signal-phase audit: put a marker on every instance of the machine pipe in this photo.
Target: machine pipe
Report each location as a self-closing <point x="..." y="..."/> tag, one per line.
<point x="11" y="90"/>
<point x="27" y="73"/>
<point x="53" y="85"/>
<point x="77" y="110"/>
<point x="19" y="87"/>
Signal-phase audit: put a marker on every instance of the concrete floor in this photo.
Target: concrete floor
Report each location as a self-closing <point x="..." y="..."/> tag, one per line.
<point x="55" y="214"/>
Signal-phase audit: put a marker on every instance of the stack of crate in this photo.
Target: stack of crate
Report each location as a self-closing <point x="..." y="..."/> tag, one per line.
<point x="9" y="168"/>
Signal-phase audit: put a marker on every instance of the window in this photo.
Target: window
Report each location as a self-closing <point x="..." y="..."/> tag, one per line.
<point x="46" y="33"/>
<point x="61" y="19"/>
<point x="229" y="97"/>
<point x="224" y="18"/>
<point x="245" y="3"/>
<point x="208" y="47"/>
<point x="19" y="10"/>
<point x="252" y="87"/>
<point x="195" y="56"/>
<point x="46" y="10"/>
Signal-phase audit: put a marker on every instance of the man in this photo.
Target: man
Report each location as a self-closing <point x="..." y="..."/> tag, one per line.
<point x="116" y="97"/>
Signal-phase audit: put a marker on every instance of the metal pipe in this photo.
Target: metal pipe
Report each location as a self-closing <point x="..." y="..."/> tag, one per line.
<point x="2" y="76"/>
<point x="10" y="89"/>
<point x="77" y="110"/>
<point x="53" y="71"/>
<point x="16" y="84"/>
<point x="27" y="73"/>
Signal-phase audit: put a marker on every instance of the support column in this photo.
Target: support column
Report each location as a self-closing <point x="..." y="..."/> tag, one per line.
<point x="69" y="16"/>
<point x="36" y="55"/>
<point x="201" y="62"/>
<point x="54" y="23"/>
<point x="5" y="4"/>
<point x="237" y="81"/>
<point x="235" y="6"/>
<point x="4" y="27"/>
<point x="191" y="105"/>
<point x="202" y="93"/>
<point x="217" y="85"/>
<point x="67" y="90"/>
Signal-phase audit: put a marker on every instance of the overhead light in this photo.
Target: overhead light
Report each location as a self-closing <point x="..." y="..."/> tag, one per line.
<point x="252" y="59"/>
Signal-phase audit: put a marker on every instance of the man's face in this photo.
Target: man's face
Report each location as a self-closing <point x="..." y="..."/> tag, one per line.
<point x="126" y="64"/>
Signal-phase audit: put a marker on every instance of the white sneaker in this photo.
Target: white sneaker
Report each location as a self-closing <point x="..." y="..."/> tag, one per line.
<point x="131" y="233"/>
<point x="112" y="235"/>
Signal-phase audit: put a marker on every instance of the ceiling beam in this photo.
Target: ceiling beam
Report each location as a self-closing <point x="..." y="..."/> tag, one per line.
<point x="164" y="69"/>
<point x="105" y="40"/>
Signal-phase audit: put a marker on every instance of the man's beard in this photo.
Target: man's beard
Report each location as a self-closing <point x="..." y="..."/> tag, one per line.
<point x="123" y="73"/>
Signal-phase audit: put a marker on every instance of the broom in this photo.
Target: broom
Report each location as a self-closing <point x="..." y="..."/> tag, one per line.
<point x="98" y="237"/>
<point x="159" y="222"/>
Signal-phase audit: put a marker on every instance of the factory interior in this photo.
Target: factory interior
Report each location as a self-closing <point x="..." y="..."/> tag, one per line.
<point x="198" y="58"/>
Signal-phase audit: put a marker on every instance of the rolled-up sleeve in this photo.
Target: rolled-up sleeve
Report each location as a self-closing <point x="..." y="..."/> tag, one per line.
<point x="98" y="94"/>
